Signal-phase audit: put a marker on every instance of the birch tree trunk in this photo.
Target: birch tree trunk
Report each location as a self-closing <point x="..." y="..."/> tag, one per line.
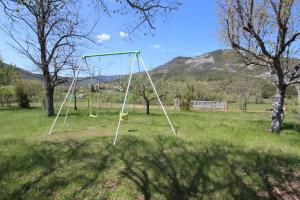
<point x="278" y="113"/>
<point x="298" y="89"/>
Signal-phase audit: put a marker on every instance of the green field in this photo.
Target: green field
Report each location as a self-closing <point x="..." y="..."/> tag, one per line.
<point x="215" y="155"/>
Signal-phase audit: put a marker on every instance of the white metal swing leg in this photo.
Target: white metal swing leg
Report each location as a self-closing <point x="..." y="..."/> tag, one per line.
<point x="124" y="102"/>
<point x="73" y="88"/>
<point x="62" y="105"/>
<point x="162" y="106"/>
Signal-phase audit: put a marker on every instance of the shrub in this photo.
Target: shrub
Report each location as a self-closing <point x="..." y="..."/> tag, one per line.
<point x="8" y="74"/>
<point x="22" y="95"/>
<point x="186" y="95"/>
<point x="33" y="89"/>
<point x="92" y="88"/>
<point x="6" y="95"/>
<point x="42" y="99"/>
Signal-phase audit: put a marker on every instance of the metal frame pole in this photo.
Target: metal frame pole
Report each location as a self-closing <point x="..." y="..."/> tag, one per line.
<point x="162" y="106"/>
<point x="125" y="98"/>
<point x="73" y="88"/>
<point x="75" y="78"/>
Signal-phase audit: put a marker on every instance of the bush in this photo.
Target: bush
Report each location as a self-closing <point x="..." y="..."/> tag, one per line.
<point x="22" y="95"/>
<point x="33" y="89"/>
<point x="291" y="92"/>
<point x="92" y="88"/>
<point x="42" y="99"/>
<point x="6" y="95"/>
<point x="8" y="74"/>
<point x="268" y="90"/>
<point x="186" y="95"/>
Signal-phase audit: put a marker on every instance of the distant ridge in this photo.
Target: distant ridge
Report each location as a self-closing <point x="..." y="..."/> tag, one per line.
<point x="216" y="65"/>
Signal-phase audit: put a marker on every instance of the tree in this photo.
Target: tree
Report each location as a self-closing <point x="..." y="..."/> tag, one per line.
<point x="6" y="95"/>
<point x="185" y="94"/>
<point x="143" y="11"/>
<point x="22" y="94"/>
<point x="46" y="32"/>
<point x="92" y="88"/>
<point x="298" y="91"/>
<point x="8" y="78"/>
<point x="265" y="33"/>
<point x="27" y="91"/>
<point x="74" y="69"/>
<point x="8" y="74"/>
<point x="268" y="90"/>
<point x="142" y="88"/>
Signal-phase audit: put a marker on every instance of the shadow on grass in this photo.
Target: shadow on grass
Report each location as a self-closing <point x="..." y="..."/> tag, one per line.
<point x="14" y="108"/>
<point x="294" y="126"/>
<point x="177" y="170"/>
<point x="163" y="168"/>
<point x="287" y="125"/>
<point x="39" y="170"/>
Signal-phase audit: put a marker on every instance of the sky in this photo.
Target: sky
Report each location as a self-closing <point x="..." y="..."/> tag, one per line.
<point x="189" y="31"/>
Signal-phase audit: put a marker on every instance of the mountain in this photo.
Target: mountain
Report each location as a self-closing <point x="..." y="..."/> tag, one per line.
<point x="84" y="81"/>
<point x="216" y="65"/>
<point x="27" y="75"/>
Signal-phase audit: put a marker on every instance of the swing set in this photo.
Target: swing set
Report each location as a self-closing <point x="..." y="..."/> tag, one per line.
<point x="123" y="116"/>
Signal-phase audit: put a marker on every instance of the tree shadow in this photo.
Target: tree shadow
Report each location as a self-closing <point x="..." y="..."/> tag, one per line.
<point x="293" y="126"/>
<point x="174" y="169"/>
<point x="14" y="108"/>
<point x="160" y="168"/>
<point x="50" y="165"/>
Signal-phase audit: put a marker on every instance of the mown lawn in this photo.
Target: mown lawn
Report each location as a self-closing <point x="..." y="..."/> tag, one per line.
<point x="215" y="155"/>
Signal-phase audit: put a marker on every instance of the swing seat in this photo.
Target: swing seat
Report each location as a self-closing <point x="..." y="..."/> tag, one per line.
<point x="93" y="115"/>
<point x="124" y="117"/>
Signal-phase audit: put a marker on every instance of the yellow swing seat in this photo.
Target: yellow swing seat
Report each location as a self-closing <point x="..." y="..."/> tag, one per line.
<point x="124" y="117"/>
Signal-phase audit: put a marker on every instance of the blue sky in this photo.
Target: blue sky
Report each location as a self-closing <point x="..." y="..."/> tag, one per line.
<point x="190" y="31"/>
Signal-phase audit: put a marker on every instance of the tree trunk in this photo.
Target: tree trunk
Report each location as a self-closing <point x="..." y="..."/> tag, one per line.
<point x="147" y="107"/>
<point x="49" y="101"/>
<point x="75" y="99"/>
<point x="298" y="95"/>
<point x="278" y="113"/>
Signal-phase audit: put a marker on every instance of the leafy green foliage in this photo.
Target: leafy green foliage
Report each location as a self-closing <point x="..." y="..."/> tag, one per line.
<point x="291" y="91"/>
<point x="8" y="78"/>
<point x="22" y="95"/>
<point x="268" y="90"/>
<point x="27" y="91"/>
<point x="8" y="74"/>
<point x="185" y="92"/>
<point x="6" y="95"/>
<point x="92" y="88"/>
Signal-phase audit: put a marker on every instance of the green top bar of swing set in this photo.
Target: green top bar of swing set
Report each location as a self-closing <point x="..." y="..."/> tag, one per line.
<point x="111" y="54"/>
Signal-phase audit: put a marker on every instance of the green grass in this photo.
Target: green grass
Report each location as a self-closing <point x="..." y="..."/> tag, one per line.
<point x="215" y="155"/>
<point x="250" y="107"/>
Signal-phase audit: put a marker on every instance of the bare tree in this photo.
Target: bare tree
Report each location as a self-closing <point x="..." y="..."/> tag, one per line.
<point x="143" y="13"/>
<point x="142" y="88"/>
<point x="265" y="33"/>
<point x="46" y="32"/>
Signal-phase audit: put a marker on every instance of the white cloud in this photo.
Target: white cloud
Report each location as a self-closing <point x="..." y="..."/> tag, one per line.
<point x="123" y="34"/>
<point x="169" y="50"/>
<point x="156" y="46"/>
<point x="103" y="37"/>
<point x="161" y="49"/>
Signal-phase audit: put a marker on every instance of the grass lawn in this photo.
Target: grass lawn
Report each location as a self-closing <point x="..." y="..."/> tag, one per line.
<point x="215" y="155"/>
